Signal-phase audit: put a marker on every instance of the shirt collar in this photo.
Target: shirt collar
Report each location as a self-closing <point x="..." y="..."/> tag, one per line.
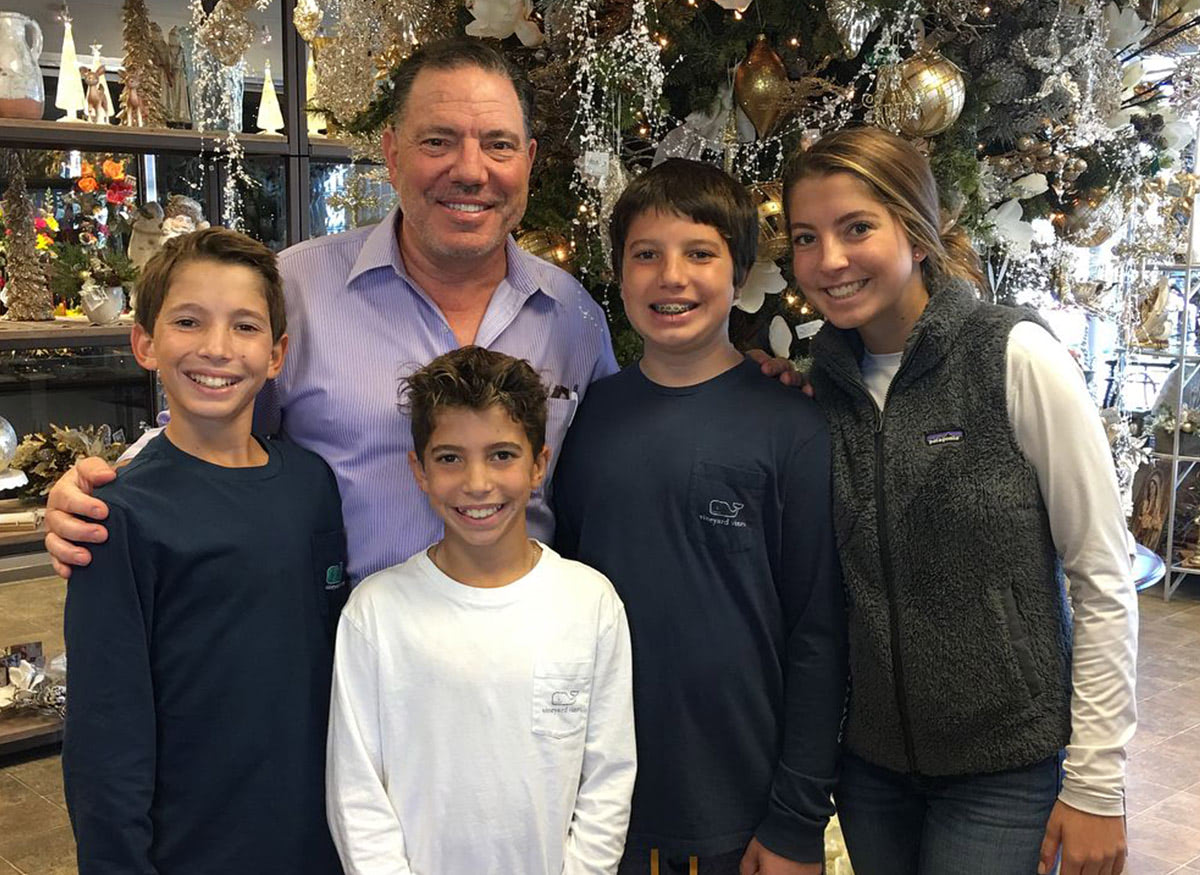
<point x="526" y="274"/>
<point x="381" y="249"/>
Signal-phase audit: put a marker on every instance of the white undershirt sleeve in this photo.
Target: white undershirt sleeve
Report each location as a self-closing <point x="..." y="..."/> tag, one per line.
<point x="362" y="821"/>
<point x="1056" y="427"/>
<point x="596" y="839"/>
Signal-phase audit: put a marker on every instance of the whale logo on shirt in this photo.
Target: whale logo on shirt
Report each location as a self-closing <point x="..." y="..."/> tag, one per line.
<point x="726" y="509"/>
<point x="564" y="697"/>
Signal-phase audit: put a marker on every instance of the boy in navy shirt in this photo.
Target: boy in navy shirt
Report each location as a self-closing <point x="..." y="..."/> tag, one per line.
<point x="200" y="638"/>
<point x="702" y="491"/>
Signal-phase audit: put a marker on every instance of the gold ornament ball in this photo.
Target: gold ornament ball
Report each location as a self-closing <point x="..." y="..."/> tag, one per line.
<point x="760" y="85"/>
<point x="549" y="246"/>
<point x="922" y="96"/>
<point x="773" y="242"/>
<point x="1186" y="426"/>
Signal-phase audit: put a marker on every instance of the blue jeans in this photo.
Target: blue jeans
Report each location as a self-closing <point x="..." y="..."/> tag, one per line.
<point x="988" y="824"/>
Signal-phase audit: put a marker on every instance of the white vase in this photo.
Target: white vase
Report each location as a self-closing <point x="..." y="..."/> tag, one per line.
<point x="22" y="94"/>
<point x="101" y="305"/>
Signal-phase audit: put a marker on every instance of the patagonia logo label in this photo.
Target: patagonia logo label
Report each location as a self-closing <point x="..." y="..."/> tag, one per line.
<point x="949" y="436"/>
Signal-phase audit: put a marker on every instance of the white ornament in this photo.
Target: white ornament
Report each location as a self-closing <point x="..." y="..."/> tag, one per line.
<point x="735" y="5"/>
<point x="270" y="118"/>
<point x="500" y="19"/>
<point x="780" y="336"/>
<point x="765" y="278"/>
<point x="1006" y="219"/>
<point x="805" y="330"/>
<point x="1030" y="185"/>
<point x="704" y="130"/>
<point x="1125" y="28"/>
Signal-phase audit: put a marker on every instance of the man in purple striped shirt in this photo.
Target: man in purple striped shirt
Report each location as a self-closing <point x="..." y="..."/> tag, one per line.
<point x="368" y="307"/>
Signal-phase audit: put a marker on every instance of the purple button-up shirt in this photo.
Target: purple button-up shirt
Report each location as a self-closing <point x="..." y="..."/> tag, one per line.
<point x="358" y="324"/>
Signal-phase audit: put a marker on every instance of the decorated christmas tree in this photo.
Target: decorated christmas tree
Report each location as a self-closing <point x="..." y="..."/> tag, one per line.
<point x="28" y="292"/>
<point x="1028" y="110"/>
<point x="141" y="101"/>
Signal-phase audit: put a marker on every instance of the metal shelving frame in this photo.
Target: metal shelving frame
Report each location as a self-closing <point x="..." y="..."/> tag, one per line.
<point x="296" y="148"/>
<point x="1181" y="465"/>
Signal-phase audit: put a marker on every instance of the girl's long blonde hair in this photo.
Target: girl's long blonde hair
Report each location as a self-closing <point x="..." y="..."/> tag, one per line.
<point x="901" y="179"/>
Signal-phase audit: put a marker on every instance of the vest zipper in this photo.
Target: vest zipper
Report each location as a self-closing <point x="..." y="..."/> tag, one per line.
<point x="885" y="561"/>
<point x="885" y="566"/>
<point x="885" y="558"/>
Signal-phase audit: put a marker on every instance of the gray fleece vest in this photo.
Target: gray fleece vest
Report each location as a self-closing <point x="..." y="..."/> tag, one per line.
<point x="960" y="639"/>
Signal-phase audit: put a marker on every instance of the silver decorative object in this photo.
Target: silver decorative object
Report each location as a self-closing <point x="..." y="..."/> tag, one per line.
<point x="8" y="443"/>
<point x="852" y="22"/>
<point x="101" y="305"/>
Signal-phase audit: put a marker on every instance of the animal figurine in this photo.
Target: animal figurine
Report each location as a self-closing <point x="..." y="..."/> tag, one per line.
<point x="97" y="95"/>
<point x="132" y="114"/>
<point x="146" y="236"/>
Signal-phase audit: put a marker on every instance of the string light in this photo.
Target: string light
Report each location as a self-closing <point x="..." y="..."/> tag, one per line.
<point x="794" y="41"/>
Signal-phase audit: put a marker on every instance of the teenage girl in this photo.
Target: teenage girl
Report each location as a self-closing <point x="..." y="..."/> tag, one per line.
<point x="974" y="498"/>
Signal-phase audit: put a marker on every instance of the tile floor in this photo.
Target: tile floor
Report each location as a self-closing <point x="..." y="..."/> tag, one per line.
<point x="1164" y="762"/>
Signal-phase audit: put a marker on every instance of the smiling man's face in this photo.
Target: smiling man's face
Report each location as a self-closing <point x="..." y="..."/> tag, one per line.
<point x="459" y="159"/>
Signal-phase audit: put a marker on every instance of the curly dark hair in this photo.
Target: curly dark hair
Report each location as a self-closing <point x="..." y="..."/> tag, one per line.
<point x="476" y="379"/>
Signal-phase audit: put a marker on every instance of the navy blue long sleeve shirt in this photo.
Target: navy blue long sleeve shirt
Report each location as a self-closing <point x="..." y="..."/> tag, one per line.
<point x="200" y="645"/>
<point x="709" y="508"/>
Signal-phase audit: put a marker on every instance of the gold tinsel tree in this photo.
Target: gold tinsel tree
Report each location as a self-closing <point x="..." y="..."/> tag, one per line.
<point x="26" y="287"/>
<point x="139" y="64"/>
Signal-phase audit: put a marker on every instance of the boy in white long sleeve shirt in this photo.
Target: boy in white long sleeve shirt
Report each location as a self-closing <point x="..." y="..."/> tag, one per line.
<point x="482" y="716"/>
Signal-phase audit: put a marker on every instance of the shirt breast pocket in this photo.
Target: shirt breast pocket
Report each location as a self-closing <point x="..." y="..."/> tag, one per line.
<point x="724" y="506"/>
<point x="329" y="574"/>
<point x="561" y="694"/>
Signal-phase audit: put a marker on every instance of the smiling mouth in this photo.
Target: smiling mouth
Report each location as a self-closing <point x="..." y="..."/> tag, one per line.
<point x="479" y="513"/>
<point x="845" y="290"/>
<point x="212" y="382"/>
<point x="674" y="309"/>
<point x="465" y="208"/>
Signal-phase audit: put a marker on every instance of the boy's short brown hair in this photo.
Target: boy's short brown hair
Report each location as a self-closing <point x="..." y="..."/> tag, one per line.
<point x="474" y="378"/>
<point x="221" y="245"/>
<point x="696" y="191"/>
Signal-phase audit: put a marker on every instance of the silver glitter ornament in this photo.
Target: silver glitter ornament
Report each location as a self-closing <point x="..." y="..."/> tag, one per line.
<point x="852" y="22"/>
<point x="8" y="443"/>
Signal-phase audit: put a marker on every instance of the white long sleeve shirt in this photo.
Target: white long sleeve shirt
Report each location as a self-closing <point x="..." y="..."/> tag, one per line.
<point x="1055" y="424"/>
<point x="481" y="730"/>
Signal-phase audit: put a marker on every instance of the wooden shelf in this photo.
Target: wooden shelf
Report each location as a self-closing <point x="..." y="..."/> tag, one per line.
<point x="116" y="138"/>
<point x="20" y="732"/>
<point x="62" y="334"/>
<point x="328" y="149"/>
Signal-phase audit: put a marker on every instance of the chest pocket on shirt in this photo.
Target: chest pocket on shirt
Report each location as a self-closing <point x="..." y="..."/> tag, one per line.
<point x="561" y="693"/>
<point x="329" y="575"/>
<point x="723" y="506"/>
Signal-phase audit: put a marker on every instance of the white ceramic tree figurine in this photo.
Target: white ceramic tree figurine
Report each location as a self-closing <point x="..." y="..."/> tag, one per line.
<point x="69" y="95"/>
<point x="270" y="118"/>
